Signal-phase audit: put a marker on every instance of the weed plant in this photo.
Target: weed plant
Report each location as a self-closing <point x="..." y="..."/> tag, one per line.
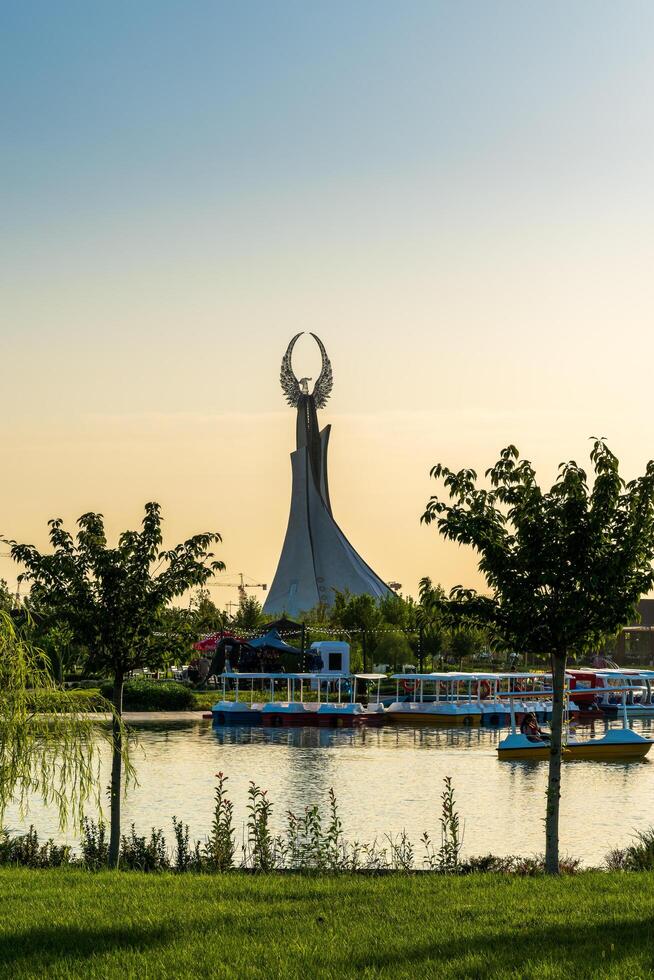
<point x="308" y="843"/>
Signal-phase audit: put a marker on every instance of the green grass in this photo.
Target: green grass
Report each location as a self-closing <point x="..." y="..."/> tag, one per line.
<point x="79" y="924"/>
<point x="205" y="700"/>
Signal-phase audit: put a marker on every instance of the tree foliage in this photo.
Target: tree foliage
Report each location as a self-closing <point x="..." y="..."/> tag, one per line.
<point x="50" y="738"/>
<point x="249" y="614"/>
<point x="393" y="648"/>
<point x="564" y="567"/>
<point x="114" y="601"/>
<point x="6" y="598"/>
<point x="112" y="598"/>
<point x="205" y="616"/>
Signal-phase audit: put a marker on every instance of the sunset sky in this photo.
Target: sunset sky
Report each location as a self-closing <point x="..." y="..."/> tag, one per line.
<point x="457" y="197"/>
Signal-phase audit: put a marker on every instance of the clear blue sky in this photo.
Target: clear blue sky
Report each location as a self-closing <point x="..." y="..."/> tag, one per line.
<point x="176" y="105"/>
<point x="457" y="196"/>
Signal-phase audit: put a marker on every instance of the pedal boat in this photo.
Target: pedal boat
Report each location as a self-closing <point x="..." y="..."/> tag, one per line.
<point x="234" y="711"/>
<point x="527" y="692"/>
<point x="639" y="694"/>
<point x="295" y="711"/>
<point x="617" y="743"/>
<point x="438" y="699"/>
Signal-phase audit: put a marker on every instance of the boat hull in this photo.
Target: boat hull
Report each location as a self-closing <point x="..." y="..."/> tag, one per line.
<point x="313" y="719"/>
<point x="633" y="710"/>
<point x="433" y="719"/>
<point x="579" y="752"/>
<point x="245" y="717"/>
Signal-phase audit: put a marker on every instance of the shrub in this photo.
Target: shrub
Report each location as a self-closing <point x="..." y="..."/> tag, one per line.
<point x="94" y="846"/>
<point x="309" y="844"/>
<point x="188" y="857"/>
<point x="142" y="695"/>
<point x="51" y="700"/>
<point x="141" y="854"/>
<point x="515" y="864"/>
<point x="27" y="851"/>
<point x="639" y="856"/>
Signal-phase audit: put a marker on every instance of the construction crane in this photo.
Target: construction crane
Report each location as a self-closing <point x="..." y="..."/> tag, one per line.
<point x="241" y="586"/>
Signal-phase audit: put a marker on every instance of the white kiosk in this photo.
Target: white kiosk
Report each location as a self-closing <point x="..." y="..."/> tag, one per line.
<point x="335" y="656"/>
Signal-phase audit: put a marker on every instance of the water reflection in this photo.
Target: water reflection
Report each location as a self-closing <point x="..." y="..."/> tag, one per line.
<point x="386" y="780"/>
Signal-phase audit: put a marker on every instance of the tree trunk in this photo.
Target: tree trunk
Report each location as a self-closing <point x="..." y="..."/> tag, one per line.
<point x="554" y="776"/>
<point x="116" y="771"/>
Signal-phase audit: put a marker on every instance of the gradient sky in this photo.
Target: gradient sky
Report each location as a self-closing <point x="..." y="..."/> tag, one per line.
<point x="456" y="196"/>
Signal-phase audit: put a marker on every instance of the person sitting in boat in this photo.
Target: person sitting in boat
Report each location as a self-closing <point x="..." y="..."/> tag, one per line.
<point x="530" y="727"/>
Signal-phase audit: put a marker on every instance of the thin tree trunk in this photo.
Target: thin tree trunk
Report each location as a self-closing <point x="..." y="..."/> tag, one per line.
<point x="116" y="771"/>
<point x="554" y="775"/>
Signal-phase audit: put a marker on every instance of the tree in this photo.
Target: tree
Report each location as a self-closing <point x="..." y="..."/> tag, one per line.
<point x="393" y="648"/>
<point x="50" y="740"/>
<point x="205" y="616"/>
<point x="429" y="617"/>
<point x="565" y="567"/>
<point x="249" y="614"/>
<point x="357" y="613"/>
<point x="397" y="611"/>
<point x="112" y="600"/>
<point x="171" y="639"/>
<point x="464" y="642"/>
<point x="317" y="616"/>
<point x="6" y="598"/>
<point x="58" y="643"/>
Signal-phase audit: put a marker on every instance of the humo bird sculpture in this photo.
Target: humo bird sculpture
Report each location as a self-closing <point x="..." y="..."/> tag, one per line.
<point x="293" y="389"/>
<point x="317" y="559"/>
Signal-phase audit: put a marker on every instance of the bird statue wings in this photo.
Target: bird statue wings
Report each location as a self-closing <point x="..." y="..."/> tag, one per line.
<point x="290" y="384"/>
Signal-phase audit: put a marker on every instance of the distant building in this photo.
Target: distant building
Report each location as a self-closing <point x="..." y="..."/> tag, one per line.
<point x="635" y="645"/>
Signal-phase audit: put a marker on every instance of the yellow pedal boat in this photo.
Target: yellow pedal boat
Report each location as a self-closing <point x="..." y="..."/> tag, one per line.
<point x="621" y="743"/>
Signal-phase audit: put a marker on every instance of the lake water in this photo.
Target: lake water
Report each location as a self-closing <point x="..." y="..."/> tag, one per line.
<point x="386" y="780"/>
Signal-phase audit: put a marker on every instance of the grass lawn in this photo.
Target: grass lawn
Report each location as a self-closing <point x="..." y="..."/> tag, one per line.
<point x="205" y="700"/>
<point x="79" y="924"/>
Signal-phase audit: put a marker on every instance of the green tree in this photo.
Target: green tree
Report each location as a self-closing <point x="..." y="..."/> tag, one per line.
<point x="359" y="614"/>
<point x="171" y="640"/>
<point x="50" y="740"/>
<point x="249" y="615"/>
<point x="464" y="642"/>
<point x="6" y="598"/>
<point x="565" y="567"/>
<point x="430" y="620"/>
<point x="397" y="611"/>
<point x="317" y="616"/>
<point x="205" y="616"/>
<point x="59" y="644"/>
<point x="393" y="648"/>
<point x="112" y="600"/>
